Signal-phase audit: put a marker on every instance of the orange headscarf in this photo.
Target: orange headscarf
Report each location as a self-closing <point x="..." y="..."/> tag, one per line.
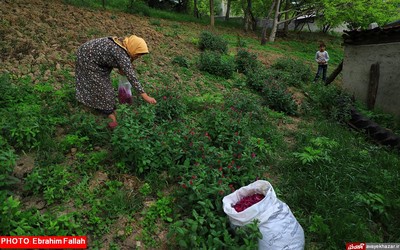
<point x="133" y="45"/>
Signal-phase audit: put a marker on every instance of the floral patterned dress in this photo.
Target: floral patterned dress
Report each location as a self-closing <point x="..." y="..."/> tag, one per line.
<point x="94" y="63"/>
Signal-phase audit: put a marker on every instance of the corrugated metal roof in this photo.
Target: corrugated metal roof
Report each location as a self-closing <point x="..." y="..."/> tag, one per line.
<point x="393" y="24"/>
<point x="388" y="34"/>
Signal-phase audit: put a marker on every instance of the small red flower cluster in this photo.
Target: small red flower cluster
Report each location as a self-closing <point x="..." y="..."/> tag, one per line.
<point x="248" y="201"/>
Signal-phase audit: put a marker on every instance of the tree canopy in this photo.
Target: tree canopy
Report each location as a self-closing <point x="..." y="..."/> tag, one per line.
<point x="358" y="13"/>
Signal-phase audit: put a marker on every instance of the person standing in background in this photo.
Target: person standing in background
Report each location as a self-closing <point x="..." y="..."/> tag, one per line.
<point x="322" y="58"/>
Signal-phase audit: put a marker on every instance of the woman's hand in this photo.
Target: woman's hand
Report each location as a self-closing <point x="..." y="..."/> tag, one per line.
<point x="148" y="99"/>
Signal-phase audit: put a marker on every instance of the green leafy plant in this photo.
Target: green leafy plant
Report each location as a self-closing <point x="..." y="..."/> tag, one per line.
<point x="293" y="72"/>
<point x="210" y="41"/>
<point x="11" y="219"/>
<point x="376" y="203"/>
<point x="246" y="61"/>
<point x="240" y="42"/>
<point x="118" y="200"/>
<point x="256" y="79"/>
<point x="20" y="121"/>
<point x="330" y="101"/>
<point x="145" y="189"/>
<point x="181" y="61"/>
<point x="318" y="225"/>
<point x="170" y="105"/>
<point x="216" y="64"/>
<point x="318" y="151"/>
<point x="53" y="181"/>
<point x="76" y="141"/>
<point x="142" y="144"/>
<point x="159" y="211"/>
<point x="155" y="22"/>
<point x="16" y="221"/>
<point x="279" y="99"/>
<point x="7" y="161"/>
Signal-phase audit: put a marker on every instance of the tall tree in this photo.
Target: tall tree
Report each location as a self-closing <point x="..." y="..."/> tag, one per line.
<point x="298" y="8"/>
<point x="249" y="20"/>
<point x="195" y="9"/>
<point x="212" y="12"/>
<point x="228" y="9"/>
<point x="358" y="13"/>
<point x="266" y="23"/>
<point x="287" y="7"/>
<point x="275" y="23"/>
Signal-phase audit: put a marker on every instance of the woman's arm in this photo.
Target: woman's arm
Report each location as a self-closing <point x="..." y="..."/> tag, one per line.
<point x="126" y="68"/>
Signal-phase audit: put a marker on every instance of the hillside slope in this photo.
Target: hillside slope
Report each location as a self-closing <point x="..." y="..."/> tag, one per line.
<point x="48" y="33"/>
<point x="166" y="167"/>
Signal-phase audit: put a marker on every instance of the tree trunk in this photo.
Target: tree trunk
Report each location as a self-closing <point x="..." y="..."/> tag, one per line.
<point x="286" y="28"/>
<point x="326" y="28"/>
<point x="253" y="19"/>
<point x="228" y="9"/>
<point x="195" y="9"/>
<point x="183" y="6"/>
<point x="248" y="17"/>
<point x="265" y="27"/>
<point x="212" y="12"/>
<point x="275" y="24"/>
<point x="334" y="74"/>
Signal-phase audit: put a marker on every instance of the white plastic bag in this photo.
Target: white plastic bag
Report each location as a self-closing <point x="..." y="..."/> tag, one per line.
<point x="277" y="224"/>
<point x="124" y="91"/>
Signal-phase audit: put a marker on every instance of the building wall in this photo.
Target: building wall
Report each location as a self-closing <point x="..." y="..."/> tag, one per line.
<point x="356" y="69"/>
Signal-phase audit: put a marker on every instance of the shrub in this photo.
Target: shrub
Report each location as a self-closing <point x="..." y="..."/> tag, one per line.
<point x="24" y="126"/>
<point x="170" y="105"/>
<point x="16" y="221"/>
<point x="243" y="102"/>
<point x="331" y="101"/>
<point x="181" y="61"/>
<point x="141" y="144"/>
<point x="23" y="122"/>
<point x="240" y="42"/>
<point x="155" y="22"/>
<point x="7" y="163"/>
<point x="209" y="41"/>
<point x="216" y="64"/>
<point x="84" y="124"/>
<point x="246" y="61"/>
<point x="139" y="8"/>
<point x="53" y="181"/>
<point x="279" y="99"/>
<point x="292" y="72"/>
<point x="256" y="79"/>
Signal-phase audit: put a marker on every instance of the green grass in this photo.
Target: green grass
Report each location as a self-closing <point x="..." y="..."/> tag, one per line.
<point x="343" y="180"/>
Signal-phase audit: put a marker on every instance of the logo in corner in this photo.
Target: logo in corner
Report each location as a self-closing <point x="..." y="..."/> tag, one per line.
<point x="356" y="246"/>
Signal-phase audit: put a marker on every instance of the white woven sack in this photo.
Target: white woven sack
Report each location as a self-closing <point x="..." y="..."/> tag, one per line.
<point x="277" y="224"/>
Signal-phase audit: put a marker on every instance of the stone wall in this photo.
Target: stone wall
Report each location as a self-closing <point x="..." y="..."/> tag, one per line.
<point x="356" y="73"/>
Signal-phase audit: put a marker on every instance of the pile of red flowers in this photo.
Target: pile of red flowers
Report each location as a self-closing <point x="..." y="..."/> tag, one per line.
<point x="248" y="201"/>
<point x="124" y="95"/>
